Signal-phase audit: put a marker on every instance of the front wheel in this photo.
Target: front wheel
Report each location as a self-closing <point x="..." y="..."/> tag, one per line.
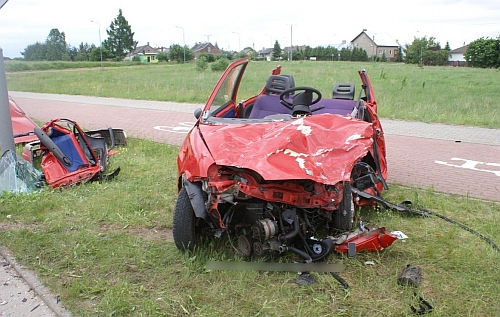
<point x="184" y="225"/>
<point x="344" y="217"/>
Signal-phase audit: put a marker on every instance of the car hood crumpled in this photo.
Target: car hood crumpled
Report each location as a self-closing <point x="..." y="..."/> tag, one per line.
<point x="323" y="148"/>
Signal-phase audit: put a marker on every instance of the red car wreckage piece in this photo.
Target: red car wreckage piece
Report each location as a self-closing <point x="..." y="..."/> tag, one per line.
<point x="371" y="240"/>
<point x="276" y="169"/>
<point x="70" y="155"/>
<point x="22" y="126"/>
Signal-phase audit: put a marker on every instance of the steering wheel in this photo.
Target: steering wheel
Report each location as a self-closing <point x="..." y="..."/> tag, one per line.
<point x="302" y="99"/>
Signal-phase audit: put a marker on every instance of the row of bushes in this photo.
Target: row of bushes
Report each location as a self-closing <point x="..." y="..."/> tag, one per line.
<point x="216" y="65"/>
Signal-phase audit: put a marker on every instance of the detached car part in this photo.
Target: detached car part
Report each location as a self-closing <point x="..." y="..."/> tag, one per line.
<point x="68" y="155"/>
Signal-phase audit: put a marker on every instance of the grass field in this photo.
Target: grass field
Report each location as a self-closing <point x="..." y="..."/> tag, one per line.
<point x="106" y="248"/>
<point x="454" y="95"/>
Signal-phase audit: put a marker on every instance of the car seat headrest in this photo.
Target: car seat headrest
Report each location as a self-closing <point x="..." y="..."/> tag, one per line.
<point x="343" y="91"/>
<point x="276" y="84"/>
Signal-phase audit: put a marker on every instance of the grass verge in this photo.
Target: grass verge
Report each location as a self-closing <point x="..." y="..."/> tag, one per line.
<point x="106" y="249"/>
<point x="453" y="95"/>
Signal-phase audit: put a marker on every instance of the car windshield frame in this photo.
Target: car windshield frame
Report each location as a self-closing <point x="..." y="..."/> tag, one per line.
<point x="225" y="93"/>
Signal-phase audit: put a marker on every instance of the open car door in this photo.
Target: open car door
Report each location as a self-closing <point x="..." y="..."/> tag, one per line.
<point x="223" y="99"/>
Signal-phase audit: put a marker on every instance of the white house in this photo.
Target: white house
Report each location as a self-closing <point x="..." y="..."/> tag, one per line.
<point x="457" y="57"/>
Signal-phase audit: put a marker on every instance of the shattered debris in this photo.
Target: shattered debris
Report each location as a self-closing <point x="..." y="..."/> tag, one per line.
<point x="17" y="175"/>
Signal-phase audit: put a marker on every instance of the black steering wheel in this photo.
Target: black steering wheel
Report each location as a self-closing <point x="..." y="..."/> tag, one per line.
<point x="301" y="102"/>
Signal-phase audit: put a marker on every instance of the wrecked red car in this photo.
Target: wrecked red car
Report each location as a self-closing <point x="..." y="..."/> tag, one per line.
<point x="280" y="169"/>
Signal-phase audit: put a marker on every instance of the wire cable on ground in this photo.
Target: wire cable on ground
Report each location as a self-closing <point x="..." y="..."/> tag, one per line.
<point x="406" y="206"/>
<point x="424" y="212"/>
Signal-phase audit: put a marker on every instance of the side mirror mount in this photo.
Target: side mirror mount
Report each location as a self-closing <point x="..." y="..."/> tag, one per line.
<point x="197" y="113"/>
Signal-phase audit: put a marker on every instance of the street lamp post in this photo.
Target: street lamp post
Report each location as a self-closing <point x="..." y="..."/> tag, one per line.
<point x="183" y="42"/>
<point x="100" y="42"/>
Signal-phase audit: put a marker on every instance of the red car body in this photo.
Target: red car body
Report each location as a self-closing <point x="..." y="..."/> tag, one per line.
<point x="22" y="126"/>
<point x="273" y="175"/>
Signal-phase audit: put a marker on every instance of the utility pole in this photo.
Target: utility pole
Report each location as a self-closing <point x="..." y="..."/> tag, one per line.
<point x="6" y="134"/>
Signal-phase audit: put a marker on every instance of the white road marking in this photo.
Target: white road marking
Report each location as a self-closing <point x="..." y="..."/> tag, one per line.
<point x="182" y="127"/>
<point x="471" y="165"/>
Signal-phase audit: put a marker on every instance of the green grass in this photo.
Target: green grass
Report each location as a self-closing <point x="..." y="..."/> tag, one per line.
<point x="453" y="95"/>
<point x="106" y="249"/>
<point x="23" y="66"/>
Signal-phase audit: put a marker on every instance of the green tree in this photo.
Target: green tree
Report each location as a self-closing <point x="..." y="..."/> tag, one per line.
<point x="162" y="56"/>
<point x="210" y="58"/>
<point x="297" y="55"/>
<point x="56" y="47"/>
<point x="177" y="52"/>
<point x="425" y="51"/>
<point x="83" y="52"/>
<point x="201" y="64"/>
<point x="447" y="46"/>
<point x="34" y="52"/>
<point x="332" y="53"/>
<point x="345" y="54"/>
<point x="308" y="52"/>
<point x="436" y="57"/>
<point x="399" y="55"/>
<point x="53" y="49"/>
<point x="72" y="52"/>
<point x="484" y="53"/>
<point x="243" y="53"/>
<point x="383" y="58"/>
<point x="415" y="50"/>
<point x="358" y="54"/>
<point x="95" y="54"/>
<point x="220" y="65"/>
<point x="224" y="54"/>
<point x="276" y="55"/>
<point x="120" y="39"/>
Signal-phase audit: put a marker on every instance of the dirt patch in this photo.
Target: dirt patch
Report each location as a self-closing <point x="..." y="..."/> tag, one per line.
<point x="147" y="233"/>
<point x="14" y="225"/>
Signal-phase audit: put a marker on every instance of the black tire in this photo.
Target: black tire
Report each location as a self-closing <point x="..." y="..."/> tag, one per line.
<point x="184" y="225"/>
<point x="344" y="217"/>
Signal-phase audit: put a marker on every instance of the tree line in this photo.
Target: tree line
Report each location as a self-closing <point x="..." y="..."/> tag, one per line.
<point x="119" y="43"/>
<point x="484" y="52"/>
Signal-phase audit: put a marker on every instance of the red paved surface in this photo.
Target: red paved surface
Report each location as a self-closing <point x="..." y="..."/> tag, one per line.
<point x="411" y="160"/>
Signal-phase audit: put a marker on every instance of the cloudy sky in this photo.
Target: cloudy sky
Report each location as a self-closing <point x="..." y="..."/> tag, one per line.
<point x="235" y="25"/>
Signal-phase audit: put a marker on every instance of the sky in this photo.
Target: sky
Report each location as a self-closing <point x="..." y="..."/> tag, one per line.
<point x="234" y="25"/>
